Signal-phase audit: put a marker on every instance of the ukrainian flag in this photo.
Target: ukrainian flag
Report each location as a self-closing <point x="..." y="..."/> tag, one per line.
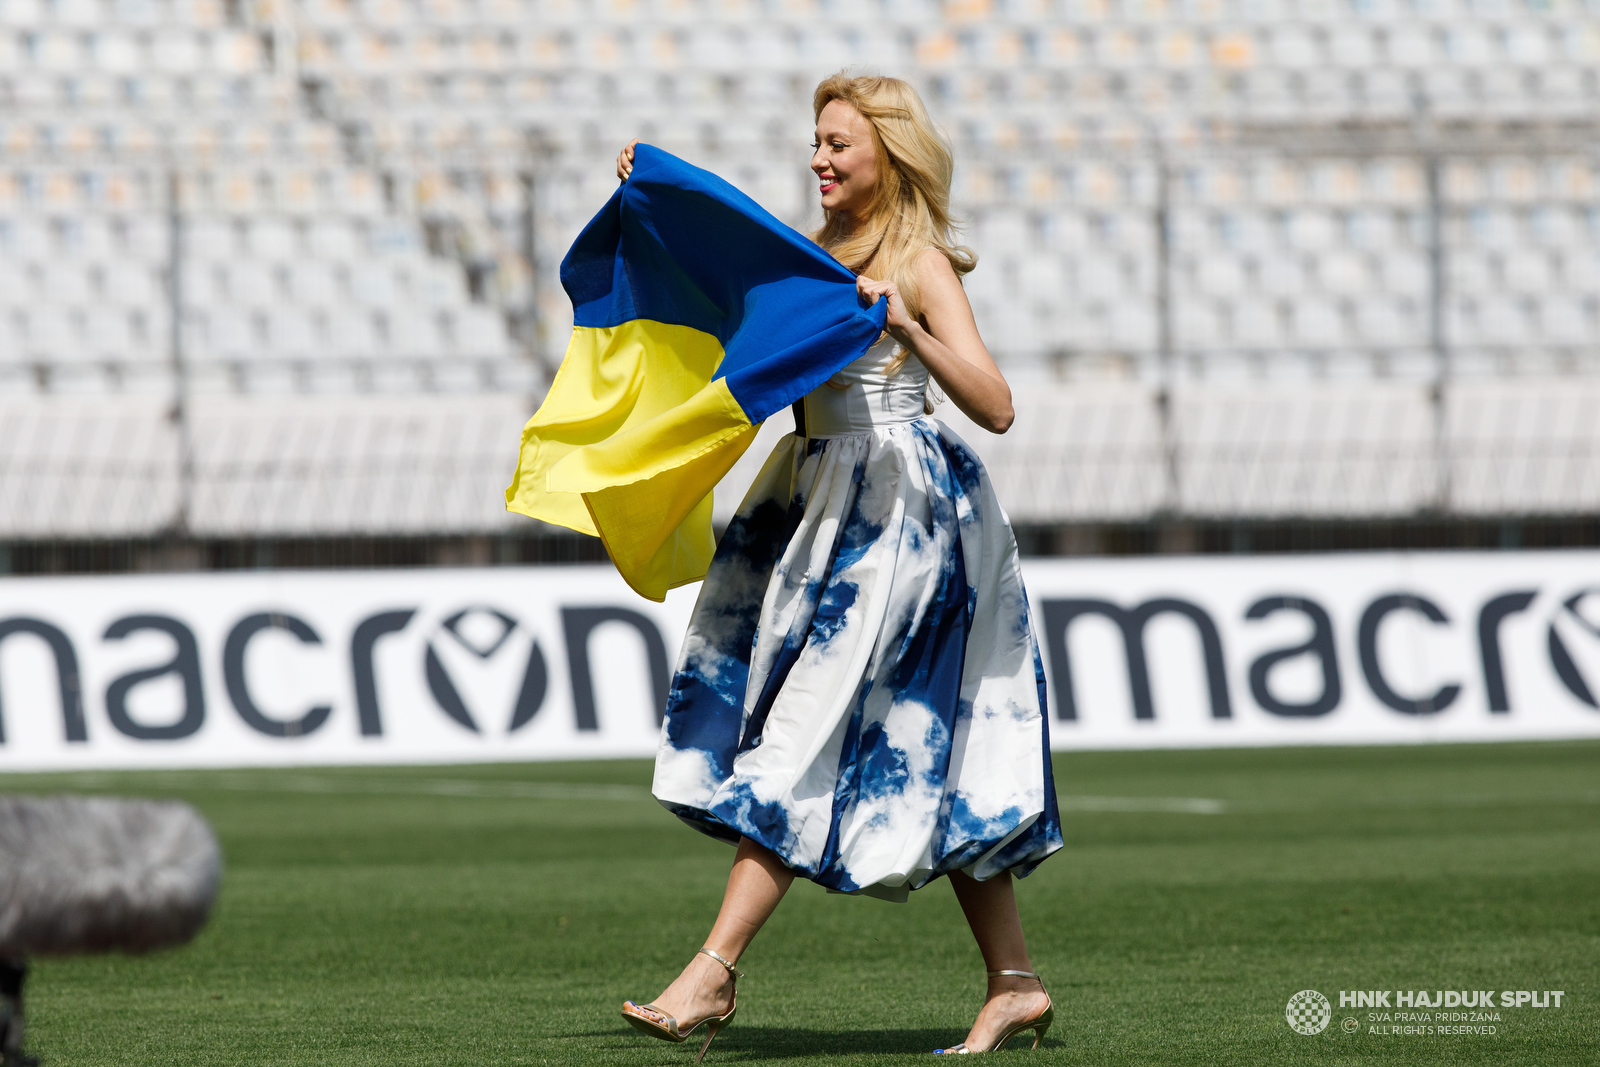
<point x="696" y="315"/>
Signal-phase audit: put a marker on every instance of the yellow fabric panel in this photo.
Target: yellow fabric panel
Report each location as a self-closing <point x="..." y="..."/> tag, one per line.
<point x="649" y="490"/>
<point x="635" y="433"/>
<point x="603" y="389"/>
<point x="658" y="532"/>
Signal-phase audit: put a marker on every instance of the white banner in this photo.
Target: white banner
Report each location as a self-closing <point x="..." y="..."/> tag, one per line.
<point x="305" y="667"/>
<point x="1339" y="649"/>
<point x="302" y="667"/>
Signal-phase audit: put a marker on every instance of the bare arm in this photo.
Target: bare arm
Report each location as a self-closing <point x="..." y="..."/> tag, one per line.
<point x="946" y="341"/>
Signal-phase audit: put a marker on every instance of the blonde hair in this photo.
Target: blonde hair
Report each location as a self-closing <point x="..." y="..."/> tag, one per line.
<point x="910" y="211"/>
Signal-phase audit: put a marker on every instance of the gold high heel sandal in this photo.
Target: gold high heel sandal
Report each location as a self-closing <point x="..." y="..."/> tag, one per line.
<point x="1038" y="1024"/>
<point x="649" y="1019"/>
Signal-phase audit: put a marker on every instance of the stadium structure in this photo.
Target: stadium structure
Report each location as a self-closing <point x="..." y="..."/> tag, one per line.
<point x="279" y="278"/>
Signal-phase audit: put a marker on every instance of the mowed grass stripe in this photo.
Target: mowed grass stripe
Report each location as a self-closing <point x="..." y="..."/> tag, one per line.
<point x="499" y="914"/>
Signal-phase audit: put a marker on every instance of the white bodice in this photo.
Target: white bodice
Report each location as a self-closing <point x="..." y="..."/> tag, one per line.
<point x="863" y="397"/>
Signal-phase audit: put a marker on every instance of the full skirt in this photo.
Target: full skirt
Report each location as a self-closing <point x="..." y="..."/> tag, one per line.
<point x="860" y="689"/>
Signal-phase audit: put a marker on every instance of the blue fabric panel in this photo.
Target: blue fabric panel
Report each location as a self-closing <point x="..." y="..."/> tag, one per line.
<point x="928" y="671"/>
<point x="705" y="708"/>
<point x="679" y="245"/>
<point x="1030" y="848"/>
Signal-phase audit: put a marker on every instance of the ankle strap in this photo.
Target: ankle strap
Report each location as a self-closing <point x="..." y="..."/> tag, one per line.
<point x="719" y="958"/>
<point x="1015" y="974"/>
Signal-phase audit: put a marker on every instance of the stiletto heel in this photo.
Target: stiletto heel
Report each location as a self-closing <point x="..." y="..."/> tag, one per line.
<point x="711" y="1036"/>
<point x="1039" y="1024"/>
<point x="649" y="1019"/>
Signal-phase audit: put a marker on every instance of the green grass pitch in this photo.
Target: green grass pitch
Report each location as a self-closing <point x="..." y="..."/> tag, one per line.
<point x="500" y="914"/>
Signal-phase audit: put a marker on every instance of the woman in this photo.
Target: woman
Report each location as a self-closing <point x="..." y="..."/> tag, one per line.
<point x="860" y="698"/>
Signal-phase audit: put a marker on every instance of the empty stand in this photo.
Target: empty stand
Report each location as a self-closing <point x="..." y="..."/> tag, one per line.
<point x="1242" y="257"/>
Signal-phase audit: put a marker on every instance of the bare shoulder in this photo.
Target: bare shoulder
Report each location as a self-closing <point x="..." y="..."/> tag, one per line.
<point x="946" y="311"/>
<point x="933" y="267"/>
<point x="940" y="284"/>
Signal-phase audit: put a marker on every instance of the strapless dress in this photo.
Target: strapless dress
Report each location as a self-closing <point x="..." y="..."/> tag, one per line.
<point x="860" y="689"/>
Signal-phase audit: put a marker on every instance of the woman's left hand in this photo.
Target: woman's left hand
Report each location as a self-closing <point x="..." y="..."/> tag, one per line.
<point x="870" y="289"/>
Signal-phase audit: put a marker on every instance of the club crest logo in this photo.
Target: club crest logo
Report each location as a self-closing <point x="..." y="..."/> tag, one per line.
<point x="1308" y="1012"/>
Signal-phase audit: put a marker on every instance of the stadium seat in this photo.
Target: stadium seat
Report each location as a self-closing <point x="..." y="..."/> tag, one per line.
<point x="332" y="238"/>
<point x="51" y="334"/>
<point x="1197" y="325"/>
<point x="107" y="334"/>
<point x="1387" y="322"/>
<point x="229" y="333"/>
<point x="292" y="333"/>
<point x="1257" y="324"/>
<point x="413" y="333"/>
<point x="351" y="334"/>
<point x="372" y="284"/>
<point x="252" y="283"/>
<point x="479" y="331"/>
<point x="1567" y="319"/>
<point x="1219" y="275"/>
<point x="1318" y="323"/>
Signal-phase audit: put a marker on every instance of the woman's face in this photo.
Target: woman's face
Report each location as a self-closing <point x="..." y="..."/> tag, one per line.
<point x="844" y="160"/>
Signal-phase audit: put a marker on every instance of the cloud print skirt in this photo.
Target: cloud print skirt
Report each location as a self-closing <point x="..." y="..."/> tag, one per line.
<point x="860" y="689"/>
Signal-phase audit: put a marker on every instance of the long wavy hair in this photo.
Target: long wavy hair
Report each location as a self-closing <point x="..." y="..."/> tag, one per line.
<point x="910" y="210"/>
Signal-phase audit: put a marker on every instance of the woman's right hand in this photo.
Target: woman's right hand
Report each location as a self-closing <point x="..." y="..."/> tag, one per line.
<point x="625" y="161"/>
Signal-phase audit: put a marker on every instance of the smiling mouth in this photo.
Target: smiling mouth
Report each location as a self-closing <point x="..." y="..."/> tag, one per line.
<point x="828" y="183"/>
